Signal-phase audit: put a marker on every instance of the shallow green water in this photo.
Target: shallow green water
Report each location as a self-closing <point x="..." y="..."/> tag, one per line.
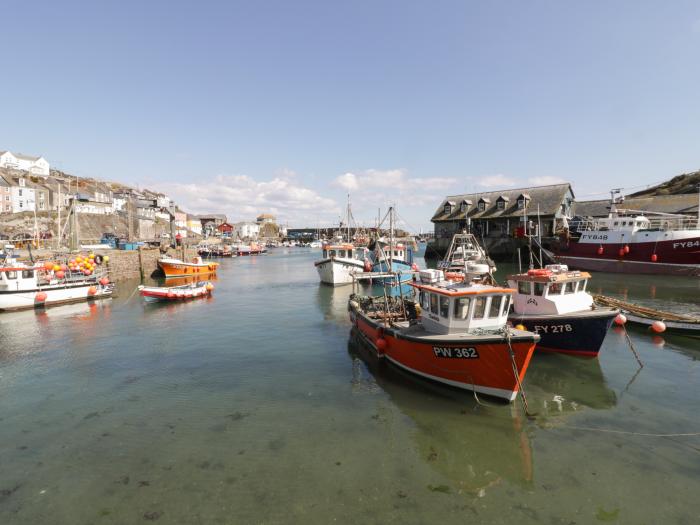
<point x="255" y="406"/>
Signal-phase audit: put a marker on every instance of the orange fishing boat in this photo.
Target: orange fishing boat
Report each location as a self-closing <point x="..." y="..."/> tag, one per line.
<point x="178" y="268"/>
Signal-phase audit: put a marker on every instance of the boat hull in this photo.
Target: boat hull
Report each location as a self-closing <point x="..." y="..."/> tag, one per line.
<point x="337" y="271"/>
<point x="481" y="365"/>
<point x="185" y="293"/>
<point x="55" y="295"/>
<point x="403" y="269"/>
<point x="180" y="269"/>
<point x="673" y="257"/>
<point x="580" y="334"/>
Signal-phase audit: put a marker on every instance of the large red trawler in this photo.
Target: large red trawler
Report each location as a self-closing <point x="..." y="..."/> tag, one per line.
<point x="630" y="241"/>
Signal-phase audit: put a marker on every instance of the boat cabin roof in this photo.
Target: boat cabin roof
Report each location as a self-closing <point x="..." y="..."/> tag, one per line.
<point x="458" y="289"/>
<point x="338" y="247"/>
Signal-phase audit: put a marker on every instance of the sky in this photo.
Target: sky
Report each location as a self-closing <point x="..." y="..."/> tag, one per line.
<point x="286" y="106"/>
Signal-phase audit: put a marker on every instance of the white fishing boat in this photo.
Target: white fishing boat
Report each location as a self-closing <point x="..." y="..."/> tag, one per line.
<point x="24" y="286"/>
<point x="339" y="263"/>
<point x="466" y="258"/>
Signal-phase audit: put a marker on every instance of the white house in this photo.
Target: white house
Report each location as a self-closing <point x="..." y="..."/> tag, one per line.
<point x="5" y="196"/>
<point x="246" y="230"/>
<point x="23" y="197"/>
<point x="18" y="161"/>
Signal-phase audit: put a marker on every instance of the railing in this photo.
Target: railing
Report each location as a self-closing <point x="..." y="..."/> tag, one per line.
<point x="651" y="223"/>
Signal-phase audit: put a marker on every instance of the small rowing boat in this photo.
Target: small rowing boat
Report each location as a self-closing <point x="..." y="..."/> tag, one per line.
<point x="176" y="293"/>
<point x="674" y="323"/>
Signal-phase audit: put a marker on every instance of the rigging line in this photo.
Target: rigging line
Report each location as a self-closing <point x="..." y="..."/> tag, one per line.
<point x="630" y="433"/>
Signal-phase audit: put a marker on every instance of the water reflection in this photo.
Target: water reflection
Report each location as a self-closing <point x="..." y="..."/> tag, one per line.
<point x="476" y="446"/>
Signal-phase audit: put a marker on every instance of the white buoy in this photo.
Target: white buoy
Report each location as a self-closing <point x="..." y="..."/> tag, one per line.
<point x="658" y="326"/>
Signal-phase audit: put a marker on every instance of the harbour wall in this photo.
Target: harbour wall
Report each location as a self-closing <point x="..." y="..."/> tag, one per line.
<point x="134" y="264"/>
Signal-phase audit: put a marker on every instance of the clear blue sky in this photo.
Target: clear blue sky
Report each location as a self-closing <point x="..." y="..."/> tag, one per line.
<point x="243" y="107"/>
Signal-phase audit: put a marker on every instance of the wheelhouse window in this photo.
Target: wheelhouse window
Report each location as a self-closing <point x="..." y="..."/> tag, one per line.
<point x="539" y="289"/>
<point x="11" y="275"/>
<point x="582" y="285"/>
<point x="479" y="308"/>
<point x="570" y="287"/>
<point x="495" y="306"/>
<point x="444" y="307"/>
<point x="424" y="300"/>
<point x="27" y="274"/>
<point x="524" y="287"/>
<point x="554" y="289"/>
<point x="461" y="308"/>
<point x="331" y="253"/>
<point x="434" y="303"/>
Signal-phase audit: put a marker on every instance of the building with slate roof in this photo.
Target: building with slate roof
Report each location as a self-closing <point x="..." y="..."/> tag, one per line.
<point x="499" y="213"/>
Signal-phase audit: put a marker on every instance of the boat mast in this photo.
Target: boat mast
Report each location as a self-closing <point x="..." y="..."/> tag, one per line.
<point x="348" y="219"/>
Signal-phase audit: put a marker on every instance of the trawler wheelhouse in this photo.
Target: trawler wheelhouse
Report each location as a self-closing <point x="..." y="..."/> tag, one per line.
<point x="343" y="251"/>
<point x="552" y="290"/>
<point x="455" y="309"/>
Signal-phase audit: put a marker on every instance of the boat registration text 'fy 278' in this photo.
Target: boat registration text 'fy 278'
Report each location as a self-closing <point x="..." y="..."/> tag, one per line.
<point x="553" y="329"/>
<point x="455" y="353"/>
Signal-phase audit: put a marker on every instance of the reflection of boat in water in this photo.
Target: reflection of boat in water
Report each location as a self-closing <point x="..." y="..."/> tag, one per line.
<point x="187" y="279"/>
<point x="474" y="449"/>
<point x="558" y="383"/>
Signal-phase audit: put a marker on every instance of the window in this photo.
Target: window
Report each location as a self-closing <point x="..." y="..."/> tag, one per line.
<point x="463" y="207"/>
<point x="506" y="304"/>
<point x="433" y="303"/>
<point x="448" y="208"/>
<point x="20" y="192"/>
<point x="27" y="274"/>
<point x="479" y="308"/>
<point x="524" y="287"/>
<point x="616" y="223"/>
<point x="495" y="305"/>
<point x="461" y="308"/>
<point x="570" y="287"/>
<point x="582" y="285"/>
<point x="41" y="205"/>
<point x="11" y="275"/>
<point x="501" y="205"/>
<point x="539" y="288"/>
<point x="482" y="206"/>
<point x="521" y="204"/>
<point x="554" y="289"/>
<point x="425" y="300"/>
<point x="331" y="253"/>
<point x="444" y="306"/>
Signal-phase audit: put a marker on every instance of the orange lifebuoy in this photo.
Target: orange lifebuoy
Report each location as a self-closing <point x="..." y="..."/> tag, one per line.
<point x="539" y="272"/>
<point x="454" y="276"/>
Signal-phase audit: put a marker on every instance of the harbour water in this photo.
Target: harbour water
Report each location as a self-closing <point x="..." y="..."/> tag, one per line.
<point x="257" y="406"/>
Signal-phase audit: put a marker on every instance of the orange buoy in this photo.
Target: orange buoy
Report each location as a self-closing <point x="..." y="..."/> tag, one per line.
<point x="414" y="267"/>
<point x="104" y="281"/>
<point x="627" y="248"/>
<point x="92" y="290"/>
<point x="520" y="327"/>
<point x="209" y="287"/>
<point x="654" y="257"/>
<point x="381" y="344"/>
<point x="40" y="297"/>
<point x="658" y="326"/>
<point x="87" y="272"/>
<point x="621" y="252"/>
<point x="620" y="319"/>
<point x="600" y="250"/>
<point x="60" y="274"/>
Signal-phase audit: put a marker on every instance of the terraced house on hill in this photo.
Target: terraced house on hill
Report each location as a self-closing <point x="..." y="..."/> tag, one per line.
<point x="495" y="214"/>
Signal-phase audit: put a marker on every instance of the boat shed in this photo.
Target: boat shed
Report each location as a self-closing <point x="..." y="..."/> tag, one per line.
<point x="501" y="213"/>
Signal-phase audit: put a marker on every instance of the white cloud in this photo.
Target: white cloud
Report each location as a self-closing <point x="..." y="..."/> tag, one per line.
<point x="499" y="180"/>
<point x="242" y="198"/>
<point x="545" y="180"/>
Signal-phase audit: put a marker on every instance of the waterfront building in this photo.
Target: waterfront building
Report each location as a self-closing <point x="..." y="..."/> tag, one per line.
<point x="265" y="218"/>
<point x="246" y="230"/>
<point x="502" y="213"/>
<point x="194" y="224"/>
<point x="19" y="161"/>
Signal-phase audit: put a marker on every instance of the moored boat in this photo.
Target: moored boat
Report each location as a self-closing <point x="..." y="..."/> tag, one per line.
<point x="178" y="268"/>
<point x="631" y="241"/>
<point x="553" y="302"/>
<point x="176" y="293"/>
<point x="25" y="286"/>
<point x="455" y="334"/>
<point x="339" y="263"/>
<point x="251" y="249"/>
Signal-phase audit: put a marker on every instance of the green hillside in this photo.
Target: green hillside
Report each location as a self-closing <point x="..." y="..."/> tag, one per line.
<point x="685" y="183"/>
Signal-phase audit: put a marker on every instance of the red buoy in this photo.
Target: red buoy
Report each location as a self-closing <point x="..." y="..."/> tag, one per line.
<point x="620" y="319"/>
<point x="621" y="252"/>
<point x="40" y="297"/>
<point x="658" y="327"/>
<point x="627" y="248"/>
<point x="654" y="257"/>
<point x="92" y="290"/>
<point x="600" y="250"/>
<point x="381" y="345"/>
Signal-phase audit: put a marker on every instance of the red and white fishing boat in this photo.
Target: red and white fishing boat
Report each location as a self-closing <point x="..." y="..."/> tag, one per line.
<point x="456" y="334"/>
<point x="251" y="249"/>
<point x="630" y="241"/>
<point x="176" y="293"/>
<point x="25" y="286"/>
